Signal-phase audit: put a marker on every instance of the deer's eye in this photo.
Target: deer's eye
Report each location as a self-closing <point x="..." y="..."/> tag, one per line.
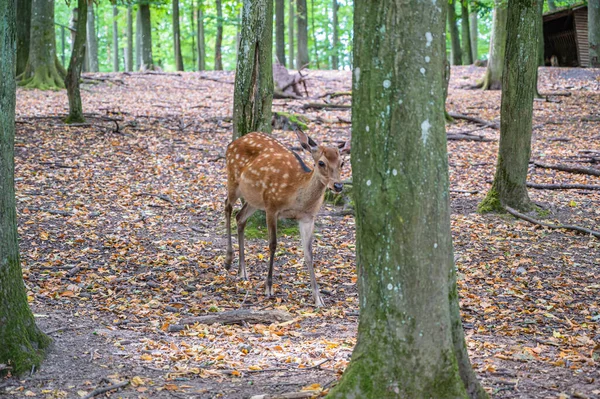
<point x="322" y="164"/>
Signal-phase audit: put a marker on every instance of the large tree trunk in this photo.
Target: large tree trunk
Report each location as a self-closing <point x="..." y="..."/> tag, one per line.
<point x="253" y="93"/>
<point x="23" y="343"/>
<point x="115" y="38"/>
<point x="518" y="88"/>
<point x="474" y="31"/>
<point x="43" y="70"/>
<point x="219" y="39"/>
<point x="292" y="39"/>
<point x="177" y="37"/>
<point x="138" y="39"/>
<point x="466" y="33"/>
<point x="280" y="30"/>
<point x="129" y="53"/>
<point x="335" y="41"/>
<point x="410" y="342"/>
<point x="200" y="33"/>
<point x="455" y="50"/>
<point x="75" y="65"/>
<point x="302" y="21"/>
<point x="492" y="79"/>
<point x="594" y="32"/>
<point x="146" y="25"/>
<point x="23" y="33"/>
<point x="92" y="40"/>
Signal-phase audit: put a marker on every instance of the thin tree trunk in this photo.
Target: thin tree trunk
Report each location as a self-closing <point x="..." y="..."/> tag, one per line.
<point x="253" y="93"/>
<point x="492" y="79"/>
<point x="518" y="88"/>
<point x="145" y="19"/>
<point x="201" y="45"/>
<point x="138" y="39"/>
<point x="75" y="65"/>
<point x="193" y="16"/>
<point x="594" y="32"/>
<point x="314" y="33"/>
<point x="336" y="39"/>
<point x="42" y="70"/>
<point x="115" y="39"/>
<point x="302" y="21"/>
<point x="23" y="33"/>
<point x="280" y="31"/>
<point x="455" y="50"/>
<point x="552" y="6"/>
<point x="23" y="344"/>
<point x="466" y="33"/>
<point x="177" y="37"/>
<point x="409" y="341"/>
<point x="292" y="39"/>
<point x="219" y="39"/>
<point x="92" y="40"/>
<point x="129" y="51"/>
<point x="474" y="30"/>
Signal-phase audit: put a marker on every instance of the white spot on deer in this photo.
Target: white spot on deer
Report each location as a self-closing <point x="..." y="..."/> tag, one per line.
<point x="429" y="38"/>
<point x="237" y="156"/>
<point x="422" y="70"/>
<point x="285" y="175"/>
<point x="425" y="130"/>
<point x="368" y="182"/>
<point x="386" y="84"/>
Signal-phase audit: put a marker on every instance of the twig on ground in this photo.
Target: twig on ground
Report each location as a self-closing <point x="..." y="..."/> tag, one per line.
<point x="239" y="316"/>
<point x="163" y="197"/>
<point x="100" y="391"/>
<point x="557" y="93"/>
<point x="467" y="137"/>
<point x="51" y="211"/>
<point x="65" y="329"/>
<point x="325" y="106"/>
<point x="571" y="169"/>
<point x="465" y="191"/>
<point x="563" y="186"/>
<point x="550" y="225"/>
<point x="218" y="158"/>
<point x="474" y="119"/>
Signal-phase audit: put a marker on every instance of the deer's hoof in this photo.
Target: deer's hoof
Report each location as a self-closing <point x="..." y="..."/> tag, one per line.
<point x="319" y="302"/>
<point x="228" y="259"/>
<point x="268" y="291"/>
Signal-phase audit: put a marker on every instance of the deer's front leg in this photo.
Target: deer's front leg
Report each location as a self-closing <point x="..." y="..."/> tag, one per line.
<point x="306" y="234"/>
<point x="229" y="253"/>
<point x="241" y="219"/>
<point x="272" y="228"/>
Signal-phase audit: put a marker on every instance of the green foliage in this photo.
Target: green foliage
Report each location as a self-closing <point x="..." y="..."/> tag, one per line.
<point x="256" y="227"/>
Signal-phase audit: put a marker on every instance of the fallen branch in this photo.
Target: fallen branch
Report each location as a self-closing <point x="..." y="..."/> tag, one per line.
<point x="326" y="106"/>
<point x="550" y="225"/>
<point x="240" y="316"/>
<point x="204" y="77"/>
<point x="563" y="186"/>
<point x="474" y="119"/>
<point x="51" y="211"/>
<point x="557" y="93"/>
<point x="467" y="137"/>
<point x="465" y="191"/>
<point x="334" y="94"/>
<point x="291" y="395"/>
<point x="163" y="197"/>
<point x="571" y="169"/>
<point x="100" y="391"/>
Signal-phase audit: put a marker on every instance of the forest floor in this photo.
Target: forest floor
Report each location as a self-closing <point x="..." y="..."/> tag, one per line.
<point x="122" y="236"/>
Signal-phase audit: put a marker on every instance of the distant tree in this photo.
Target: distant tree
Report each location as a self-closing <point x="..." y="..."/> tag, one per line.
<point x="177" y="37"/>
<point x="92" y="40"/>
<point x="455" y="49"/>
<point x="280" y="30"/>
<point x="23" y="33"/>
<point x="129" y="52"/>
<point x="291" y="38"/>
<point x="23" y="344"/>
<point x="115" y="34"/>
<point x="492" y="80"/>
<point x="138" y="39"/>
<point x="219" y="38"/>
<point x="43" y="70"/>
<point x="336" y="40"/>
<point x="552" y="5"/>
<point x="76" y="64"/>
<point x="302" y="35"/>
<point x="200" y="38"/>
<point x="473" y="29"/>
<point x="314" y="34"/>
<point x="467" y="54"/>
<point x="147" y="61"/>
<point x="518" y="88"/>
<point x="253" y="92"/>
<point x="410" y="338"/>
<point x="594" y="32"/>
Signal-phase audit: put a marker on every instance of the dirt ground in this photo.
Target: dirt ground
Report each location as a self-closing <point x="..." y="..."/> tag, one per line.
<point x="122" y="236"/>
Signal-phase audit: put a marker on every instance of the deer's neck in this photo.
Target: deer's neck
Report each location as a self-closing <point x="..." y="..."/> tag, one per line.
<point x="310" y="196"/>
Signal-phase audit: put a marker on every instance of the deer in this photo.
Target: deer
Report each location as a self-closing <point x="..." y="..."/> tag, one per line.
<point x="270" y="177"/>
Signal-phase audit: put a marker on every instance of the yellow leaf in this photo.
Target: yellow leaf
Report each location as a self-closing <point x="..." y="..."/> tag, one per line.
<point x="312" y="387"/>
<point x="236" y="373"/>
<point x="171" y="387"/>
<point x="30" y="393"/>
<point x="137" y="381"/>
<point x="255" y="367"/>
<point x="146" y="357"/>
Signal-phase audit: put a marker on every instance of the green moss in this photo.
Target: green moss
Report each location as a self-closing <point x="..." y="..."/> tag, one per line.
<point x="542" y="213"/>
<point x="74" y="118"/>
<point x="43" y="78"/>
<point x="256" y="227"/>
<point x="289" y="121"/>
<point x="491" y="202"/>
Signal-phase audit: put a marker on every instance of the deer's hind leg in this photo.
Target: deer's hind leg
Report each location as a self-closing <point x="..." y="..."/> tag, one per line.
<point x="241" y="219"/>
<point x="231" y="198"/>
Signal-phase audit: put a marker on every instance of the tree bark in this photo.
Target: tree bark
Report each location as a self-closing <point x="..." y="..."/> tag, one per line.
<point x="291" y="22"/>
<point x="138" y="39"/>
<point x="92" y="40"/>
<point x="129" y="53"/>
<point x="314" y="33"/>
<point x="280" y="31"/>
<point x="23" y="344"/>
<point x="335" y="40"/>
<point x="474" y="30"/>
<point x="147" y="61"/>
<point x="492" y="79"/>
<point x="177" y="37"/>
<point x="75" y="65"/>
<point x="466" y="33"/>
<point x="410" y="341"/>
<point x="23" y="33"/>
<point x="455" y="50"/>
<point x="594" y="32"/>
<point x="253" y="93"/>
<point x="518" y="88"/>
<point x="302" y="21"/>
<point x="552" y="5"/>
<point x="200" y="38"/>
<point x="42" y="70"/>
<point x="115" y="38"/>
<point x="219" y="38"/>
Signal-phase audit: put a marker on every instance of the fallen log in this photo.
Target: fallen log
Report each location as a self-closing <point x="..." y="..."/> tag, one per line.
<point x="326" y="106"/>
<point x="570" y="169"/>
<point x="563" y="186"/>
<point x="467" y="137"/>
<point x="240" y="316"/>
<point x="550" y="225"/>
<point x="474" y="119"/>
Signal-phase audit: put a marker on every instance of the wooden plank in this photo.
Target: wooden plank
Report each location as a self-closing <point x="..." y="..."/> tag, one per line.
<point x="581" y="29"/>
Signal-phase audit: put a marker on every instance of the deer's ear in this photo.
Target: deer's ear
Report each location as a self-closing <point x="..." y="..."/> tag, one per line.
<point x="307" y="143"/>
<point x="345" y="148"/>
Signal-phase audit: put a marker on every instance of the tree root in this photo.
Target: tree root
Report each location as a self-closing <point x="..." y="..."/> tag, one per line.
<point x="550" y="225"/>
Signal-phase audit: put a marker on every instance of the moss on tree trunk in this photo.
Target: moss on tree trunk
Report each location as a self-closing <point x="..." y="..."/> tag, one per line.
<point x="22" y="343"/>
<point x="253" y="93"/>
<point x="75" y="66"/>
<point x="492" y="80"/>
<point x="23" y="33"/>
<point x="518" y="88"/>
<point x="410" y="342"/>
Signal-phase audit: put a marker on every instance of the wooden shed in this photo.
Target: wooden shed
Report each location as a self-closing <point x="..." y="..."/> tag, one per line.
<point x="566" y="37"/>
